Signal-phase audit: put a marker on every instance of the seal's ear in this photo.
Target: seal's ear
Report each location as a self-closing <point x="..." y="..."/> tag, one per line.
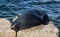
<point x="45" y="19"/>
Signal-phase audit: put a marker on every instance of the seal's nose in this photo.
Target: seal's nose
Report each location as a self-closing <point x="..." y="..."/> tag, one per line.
<point x="13" y="27"/>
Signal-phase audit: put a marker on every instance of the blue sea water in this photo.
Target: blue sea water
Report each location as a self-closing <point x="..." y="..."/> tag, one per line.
<point x="10" y="8"/>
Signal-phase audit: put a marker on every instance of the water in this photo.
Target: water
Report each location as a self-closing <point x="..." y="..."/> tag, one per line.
<point x="10" y="8"/>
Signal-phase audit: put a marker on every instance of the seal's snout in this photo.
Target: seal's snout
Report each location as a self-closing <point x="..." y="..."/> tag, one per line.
<point x="13" y="27"/>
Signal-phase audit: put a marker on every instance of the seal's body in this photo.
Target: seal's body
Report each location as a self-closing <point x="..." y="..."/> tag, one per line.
<point x="30" y="18"/>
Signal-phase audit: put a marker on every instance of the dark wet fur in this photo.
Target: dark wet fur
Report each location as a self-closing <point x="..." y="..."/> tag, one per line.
<point x="30" y="18"/>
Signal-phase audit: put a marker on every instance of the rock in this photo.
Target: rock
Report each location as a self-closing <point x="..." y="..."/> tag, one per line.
<point x="40" y="31"/>
<point x="5" y="28"/>
<point x="7" y="33"/>
<point x="4" y="24"/>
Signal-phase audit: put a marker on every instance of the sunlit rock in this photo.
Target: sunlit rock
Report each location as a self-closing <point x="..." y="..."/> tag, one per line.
<point x="7" y="33"/>
<point x="40" y="31"/>
<point x="4" y="24"/>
